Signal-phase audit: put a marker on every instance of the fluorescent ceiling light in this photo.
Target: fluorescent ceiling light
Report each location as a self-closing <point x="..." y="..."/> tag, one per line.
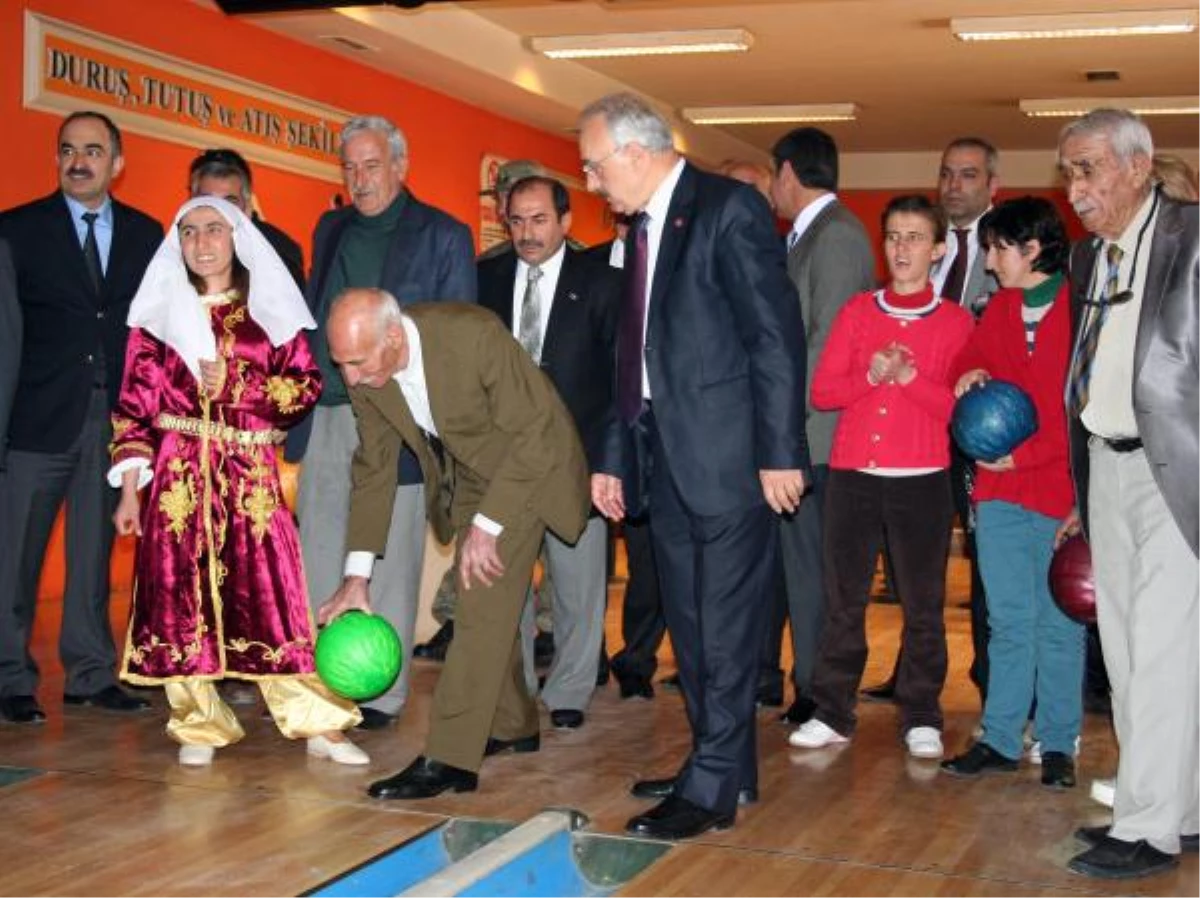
<point x="649" y="43"/>
<point x="760" y="115"/>
<point x="1099" y="24"/>
<point x="1070" y="107"/>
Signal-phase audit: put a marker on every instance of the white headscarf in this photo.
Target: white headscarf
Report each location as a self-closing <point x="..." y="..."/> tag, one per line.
<point x="168" y="306"/>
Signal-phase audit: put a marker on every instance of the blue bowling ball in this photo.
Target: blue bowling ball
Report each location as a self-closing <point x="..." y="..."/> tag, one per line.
<point x="992" y="419"/>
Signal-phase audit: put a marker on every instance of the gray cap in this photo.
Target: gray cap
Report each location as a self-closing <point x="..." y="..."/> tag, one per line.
<point x="511" y="172"/>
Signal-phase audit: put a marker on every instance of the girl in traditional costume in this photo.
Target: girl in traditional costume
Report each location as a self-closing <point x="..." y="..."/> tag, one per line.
<point x="216" y="369"/>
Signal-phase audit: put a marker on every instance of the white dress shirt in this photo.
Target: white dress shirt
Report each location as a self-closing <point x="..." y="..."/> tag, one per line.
<point x="807" y="216"/>
<point x="656" y="218"/>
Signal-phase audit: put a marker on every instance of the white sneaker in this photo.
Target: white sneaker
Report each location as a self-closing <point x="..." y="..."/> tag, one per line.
<point x="338" y="752"/>
<point x="1033" y="753"/>
<point x="196" y="755"/>
<point x="924" y="742"/>
<point x="1104" y="792"/>
<point x="815" y="734"/>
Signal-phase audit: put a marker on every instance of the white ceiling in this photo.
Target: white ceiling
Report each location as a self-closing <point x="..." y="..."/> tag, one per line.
<point x="917" y="87"/>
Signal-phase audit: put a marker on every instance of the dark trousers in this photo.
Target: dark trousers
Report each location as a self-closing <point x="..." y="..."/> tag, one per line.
<point x="715" y="573"/>
<point x="916" y="511"/>
<point x="962" y="478"/>
<point x="642" y="623"/>
<point x="32" y="490"/>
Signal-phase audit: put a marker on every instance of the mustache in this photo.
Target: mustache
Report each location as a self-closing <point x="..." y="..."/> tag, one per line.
<point x="530" y="244"/>
<point x="79" y="171"/>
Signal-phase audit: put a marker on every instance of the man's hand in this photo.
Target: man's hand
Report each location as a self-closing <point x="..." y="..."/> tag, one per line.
<point x="352" y="595"/>
<point x="479" y="560"/>
<point x="1000" y="465"/>
<point x="970" y="379"/>
<point x="608" y="497"/>
<point x="782" y="489"/>
<point x="1071" y="525"/>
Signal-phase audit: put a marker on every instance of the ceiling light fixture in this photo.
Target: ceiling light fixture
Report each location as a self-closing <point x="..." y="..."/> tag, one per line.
<point x="1100" y="24"/>
<point x="649" y="43"/>
<point x="1070" y="107"/>
<point x="765" y="115"/>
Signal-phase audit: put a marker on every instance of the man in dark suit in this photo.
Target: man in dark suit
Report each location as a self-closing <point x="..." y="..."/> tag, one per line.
<point x="10" y="344"/>
<point x="1132" y="406"/>
<point x="386" y="238"/>
<point x="829" y="260"/>
<point x="226" y="173"/>
<point x="502" y="463"/>
<point x="79" y="256"/>
<point x="707" y="432"/>
<point x="562" y="307"/>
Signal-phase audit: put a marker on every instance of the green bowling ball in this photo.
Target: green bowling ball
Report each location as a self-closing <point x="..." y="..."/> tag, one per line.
<point x="358" y="655"/>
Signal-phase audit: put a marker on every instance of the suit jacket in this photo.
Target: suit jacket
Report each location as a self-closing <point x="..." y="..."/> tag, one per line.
<point x="431" y="257"/>
<point x="511" y="451"/>
<point x="979" y="286"/>
<point x="724" y="351"/>
<point x="1165" y="391"/>
<point x="832" y="262"/>
<point x="287" y="248"/>
<point x="64" y="320"/>
<point x="579" y="346"/>
<point x="10" y="343"/>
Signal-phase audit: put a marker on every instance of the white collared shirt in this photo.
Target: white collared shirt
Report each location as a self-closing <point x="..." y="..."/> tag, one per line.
<point x="656" y="211"/>
<point x="415" y="389"/>
<point x="807" y="216"/>
<point x="547" y="286"/>
<point x="103" y="226"/>
<point x="941" y="270"/>
<point x="1109" y="411"/>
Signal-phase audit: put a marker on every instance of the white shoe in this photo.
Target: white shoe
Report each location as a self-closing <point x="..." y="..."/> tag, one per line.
<point x="1033" y="753"/>
<point x="196" y="755"/>
<point x="815" y="734"/>
<point x="924" y="742"/>
<point x="338" y="752"/>
<point x="1104" y="792"/>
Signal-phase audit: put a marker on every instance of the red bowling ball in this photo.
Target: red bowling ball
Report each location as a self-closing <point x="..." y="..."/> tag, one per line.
<point x="1071" y="581"/>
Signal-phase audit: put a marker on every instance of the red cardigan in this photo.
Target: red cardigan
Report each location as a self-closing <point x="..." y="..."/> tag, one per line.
<point x="1041" y="480"/>
<point x="888" y="425"/>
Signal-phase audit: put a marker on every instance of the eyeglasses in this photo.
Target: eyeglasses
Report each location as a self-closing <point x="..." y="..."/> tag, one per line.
<point x="592" y="169"/>
<point x="908" y="238"/>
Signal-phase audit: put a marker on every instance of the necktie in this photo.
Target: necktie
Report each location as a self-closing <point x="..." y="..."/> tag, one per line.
<point x="1085" y="351"/>
<point x="530" y="331"/>
<point x="792" y="239"/>
<point x="631" y="332"/>
<point x="91" y="252"/>
<point x="957" y="278"/>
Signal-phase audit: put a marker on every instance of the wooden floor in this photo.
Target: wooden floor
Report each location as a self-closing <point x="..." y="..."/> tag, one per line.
<point x="112" y="813"/>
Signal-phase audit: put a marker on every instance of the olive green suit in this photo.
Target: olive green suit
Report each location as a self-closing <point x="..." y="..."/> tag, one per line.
<point x="512" y="454"/>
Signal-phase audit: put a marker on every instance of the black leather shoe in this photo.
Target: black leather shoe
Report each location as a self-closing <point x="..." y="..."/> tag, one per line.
<point x="980" y="758"/>
<point x="424" y="778"/>
<point x="439" y="643"/>
<point x="660" y="789"/>
<point x="543" y="649"/>
<point x="520" y="746"/>
<point x="633" y="687"/>
<point x="1114" y="859"/>
<point x="1058" y="770"/>
<point x="884" y="692"/>
<point x="21" y="709"/>
<point x="800" y="711"/>
<point x="677" y="818"/>
<point x="566" y="719"/>
<point x="110" y="698"/>
<point x="374" y="719"/>
<point x="1094" y="835"/>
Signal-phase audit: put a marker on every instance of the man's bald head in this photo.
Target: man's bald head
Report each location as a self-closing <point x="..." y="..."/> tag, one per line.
<point x="366" y="337"/>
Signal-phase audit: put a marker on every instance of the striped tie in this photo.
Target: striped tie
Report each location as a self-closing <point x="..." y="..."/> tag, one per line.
<point x="1085" y="351"/>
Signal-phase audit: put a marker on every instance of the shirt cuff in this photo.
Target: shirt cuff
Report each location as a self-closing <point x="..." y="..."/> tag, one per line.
<point x="359" y="564"/>
<point x="116" y="474"/>
<point x="487" y="525"/>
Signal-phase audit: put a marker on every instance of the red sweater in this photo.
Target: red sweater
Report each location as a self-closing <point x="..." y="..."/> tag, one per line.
<point x="889" y="425"/>
<point x="1041" y="480"/>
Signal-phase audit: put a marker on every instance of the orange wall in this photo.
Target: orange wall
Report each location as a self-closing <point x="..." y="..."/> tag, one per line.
<point x="447" y="137"/>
